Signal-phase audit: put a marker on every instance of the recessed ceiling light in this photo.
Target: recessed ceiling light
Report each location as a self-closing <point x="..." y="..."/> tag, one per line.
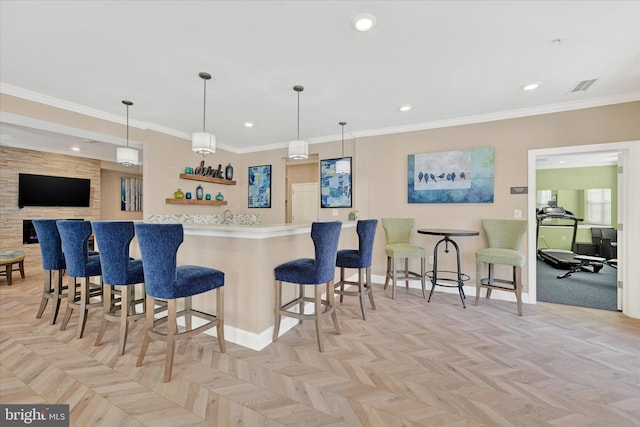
<point x="248" y="124"/>
<point x="405" y="108"/>
<point x="364" y="22"/>
<point x="561" y="162"/>
<point x="531" y="86"/>
<point x="75" y="148"/>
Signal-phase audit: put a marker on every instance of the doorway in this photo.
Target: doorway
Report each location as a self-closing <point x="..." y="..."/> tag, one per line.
<point x="628" y="199"/>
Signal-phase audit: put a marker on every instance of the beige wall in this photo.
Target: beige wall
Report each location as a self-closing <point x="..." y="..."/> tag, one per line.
<point x="380" y="166"/>
<point x="111" y="192"/>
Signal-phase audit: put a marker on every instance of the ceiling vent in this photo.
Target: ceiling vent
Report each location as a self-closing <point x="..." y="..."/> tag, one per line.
<point x="583" y="85"/>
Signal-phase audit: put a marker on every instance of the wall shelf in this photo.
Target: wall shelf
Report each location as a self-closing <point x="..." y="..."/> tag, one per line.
<point x="195" y="202"/>
<point x="193" y="177"/>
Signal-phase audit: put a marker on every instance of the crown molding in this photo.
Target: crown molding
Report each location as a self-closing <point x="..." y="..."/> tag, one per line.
<point x="458" y="121"/>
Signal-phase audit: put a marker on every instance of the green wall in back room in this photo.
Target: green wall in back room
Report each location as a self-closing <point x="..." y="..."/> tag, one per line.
<point x="570" y="183"/>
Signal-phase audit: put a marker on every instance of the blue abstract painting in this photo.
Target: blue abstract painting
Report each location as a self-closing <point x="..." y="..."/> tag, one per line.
<point x="335" y="188"/>
<point x="464" y="176"/>
<point x="260" y="186"/>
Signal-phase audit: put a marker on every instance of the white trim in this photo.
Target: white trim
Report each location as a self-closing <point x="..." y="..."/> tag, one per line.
<point x="459" y="121"/>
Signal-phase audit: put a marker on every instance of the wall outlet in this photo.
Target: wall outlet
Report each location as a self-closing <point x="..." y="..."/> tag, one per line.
<point x="430" y="259"/>
<point x="517" y="213"/>
<point x="334" y="212"/>
<point x="563" y="238"/>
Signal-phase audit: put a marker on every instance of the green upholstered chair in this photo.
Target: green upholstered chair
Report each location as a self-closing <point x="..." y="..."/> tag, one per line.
<point x="504" y="238"/>
<point x="398" y="248"/>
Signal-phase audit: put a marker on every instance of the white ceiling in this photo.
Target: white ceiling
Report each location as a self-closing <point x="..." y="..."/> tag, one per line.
<point x="455" y="62"/>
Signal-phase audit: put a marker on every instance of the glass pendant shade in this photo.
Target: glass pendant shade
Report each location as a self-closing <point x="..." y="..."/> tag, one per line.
<point x="203" y="143"/>
<point x="298" y="149"/>
<point x="127" y="156"/>
<point x="343" y="166"/>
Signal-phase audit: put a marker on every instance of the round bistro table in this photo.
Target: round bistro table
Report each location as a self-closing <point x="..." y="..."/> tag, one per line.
<point x="452" y="279"/>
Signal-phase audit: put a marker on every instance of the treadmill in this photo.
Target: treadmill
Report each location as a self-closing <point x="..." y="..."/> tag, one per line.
<point x="561" y="258"/>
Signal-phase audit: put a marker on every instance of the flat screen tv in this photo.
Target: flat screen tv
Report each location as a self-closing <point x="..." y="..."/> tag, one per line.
<point x="43" y="190"/>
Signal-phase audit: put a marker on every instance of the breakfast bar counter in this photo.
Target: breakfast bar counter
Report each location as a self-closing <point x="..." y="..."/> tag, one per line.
<point x="247" y="254"/>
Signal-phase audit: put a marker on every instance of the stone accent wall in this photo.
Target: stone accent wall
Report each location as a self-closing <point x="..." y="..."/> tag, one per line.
<point x="14" y="161"/>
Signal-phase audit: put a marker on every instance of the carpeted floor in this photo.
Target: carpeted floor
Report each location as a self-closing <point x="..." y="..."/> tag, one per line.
<point x="583" y="289"/>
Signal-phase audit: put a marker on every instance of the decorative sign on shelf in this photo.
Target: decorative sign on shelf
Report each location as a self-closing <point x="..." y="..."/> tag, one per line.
<point x="203" y="170"/>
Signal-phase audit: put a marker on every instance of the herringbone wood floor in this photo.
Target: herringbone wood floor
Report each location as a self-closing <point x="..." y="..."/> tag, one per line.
<point x="412" y="363"/>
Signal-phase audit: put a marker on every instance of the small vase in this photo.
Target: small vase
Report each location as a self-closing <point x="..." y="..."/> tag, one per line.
<point x="199" y="192"/>
<point x="188" y="195"/>
<point x="207" y="196"/>
<point x="178" y="194"/>
<point x="219" y="197"/>
<point x="228" y="172"/>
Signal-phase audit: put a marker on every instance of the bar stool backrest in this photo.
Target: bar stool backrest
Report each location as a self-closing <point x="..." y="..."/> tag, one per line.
<point x="504" y="233"/>
<point x="325" y="237"/>
<point x="50" y="244"/>
<point x="75" y="239"/>
<point x="159" y="245"/>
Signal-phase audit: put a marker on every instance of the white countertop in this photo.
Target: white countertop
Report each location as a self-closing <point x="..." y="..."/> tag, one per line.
<point x="262" y="231"/>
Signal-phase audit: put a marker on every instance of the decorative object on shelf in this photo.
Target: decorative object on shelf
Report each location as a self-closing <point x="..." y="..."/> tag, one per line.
<point x="207" y="196"/>
<point x="188" y="195"/>
<point x="260" y="186"/>
<point x="202" y="142"/>
<point x="178" y="194"/>
<point x="464" y="176"/>
<point x="343" y="165"/>
<point x="353" y="215"/>
<point x="228" y="172"/>
<point x="298" y="149"/>
<point x="199" y="192"/>
<point x="335" y="188"/>
<point x="124" y="155"/>
<point x="219" y="197"/>
<point x="130" y="194"/>
<point x="188" y="170"/>
<point x="203" y="170"/>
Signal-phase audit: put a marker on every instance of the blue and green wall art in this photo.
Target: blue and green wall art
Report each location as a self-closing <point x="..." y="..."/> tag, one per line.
<point x="463" y="176"/>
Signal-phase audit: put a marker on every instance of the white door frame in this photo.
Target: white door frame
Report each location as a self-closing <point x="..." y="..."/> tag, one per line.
<point x="628" y="254"/>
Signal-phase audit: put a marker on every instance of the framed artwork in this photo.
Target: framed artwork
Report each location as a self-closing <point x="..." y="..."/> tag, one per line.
<point x="260" y="186"/>
<point x="464" y="176"/>
<point x="335" y="188"/>
<point x="130" y="194"/>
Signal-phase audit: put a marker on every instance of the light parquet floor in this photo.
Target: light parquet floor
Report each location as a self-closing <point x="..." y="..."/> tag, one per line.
<point x="412" y="363"/>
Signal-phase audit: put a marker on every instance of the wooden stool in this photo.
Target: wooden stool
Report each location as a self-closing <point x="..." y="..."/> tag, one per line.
<point x="8" y="258"/>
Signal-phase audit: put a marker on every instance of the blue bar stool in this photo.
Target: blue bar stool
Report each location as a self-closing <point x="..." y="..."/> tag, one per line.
<point x="53" y="265"/>
<point x="361" y="259"/>
<point x="118" y="269"/>
<point x="75" y="238"/>
<point x="165" y="281"/>
<point x="311" y="271"/>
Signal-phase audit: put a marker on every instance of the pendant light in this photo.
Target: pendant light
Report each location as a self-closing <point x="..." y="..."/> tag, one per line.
<point x="124" y="155"/>
<point x="298" y="149"/>
<point x="202" y="142"/>
<point x="343" y="165"/>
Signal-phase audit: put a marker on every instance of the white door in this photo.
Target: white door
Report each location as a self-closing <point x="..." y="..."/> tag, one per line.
<point x="304" y="202"/>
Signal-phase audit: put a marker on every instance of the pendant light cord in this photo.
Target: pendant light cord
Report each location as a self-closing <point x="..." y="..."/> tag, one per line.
<point x="204" y="109"/>
<point x="298" y="116"/>
<point x="127" y="126"/>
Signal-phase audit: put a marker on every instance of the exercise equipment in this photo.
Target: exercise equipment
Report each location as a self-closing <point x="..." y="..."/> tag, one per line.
<point x="562" y="258"/>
